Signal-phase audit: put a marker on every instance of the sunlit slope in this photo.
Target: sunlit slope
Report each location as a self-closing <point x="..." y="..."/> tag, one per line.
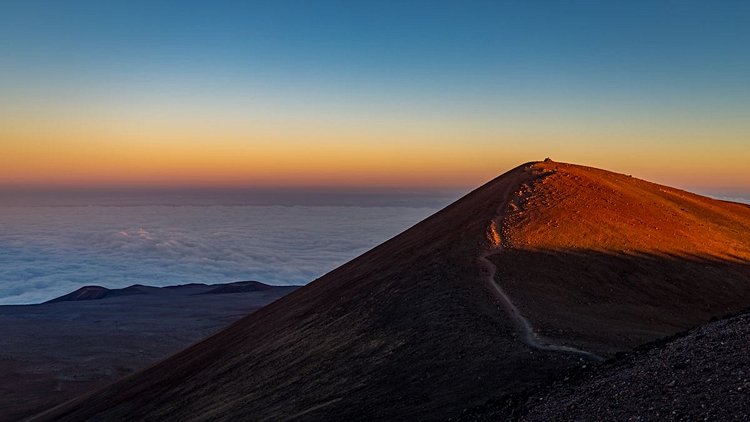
<point x="606" y="261"/>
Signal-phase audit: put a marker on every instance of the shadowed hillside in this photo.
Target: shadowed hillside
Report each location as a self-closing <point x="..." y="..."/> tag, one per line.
<point x="606" y="302"/>
<point x="701" y="375"/>
<point x="452" y="311"/>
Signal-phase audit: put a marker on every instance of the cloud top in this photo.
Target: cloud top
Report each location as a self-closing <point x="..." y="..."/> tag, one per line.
<point x="46" y="252"/>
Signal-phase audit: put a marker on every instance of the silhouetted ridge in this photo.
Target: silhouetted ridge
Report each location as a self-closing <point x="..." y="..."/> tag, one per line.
<point x="238" y="287"/>
<point x="99" y="292"/>
<point x="96" y="292"/>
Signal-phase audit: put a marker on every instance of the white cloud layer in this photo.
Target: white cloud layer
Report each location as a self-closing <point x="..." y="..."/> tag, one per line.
<point x="49" y="251"/>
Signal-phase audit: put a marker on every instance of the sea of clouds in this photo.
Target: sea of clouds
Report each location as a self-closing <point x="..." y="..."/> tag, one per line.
<point x="48" y="251"/>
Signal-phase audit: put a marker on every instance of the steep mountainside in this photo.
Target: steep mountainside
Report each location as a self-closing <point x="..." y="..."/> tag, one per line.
<point x="482" y="299"/>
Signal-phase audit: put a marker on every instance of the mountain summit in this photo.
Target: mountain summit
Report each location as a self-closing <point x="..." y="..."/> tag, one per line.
<point x="547" y="267"/>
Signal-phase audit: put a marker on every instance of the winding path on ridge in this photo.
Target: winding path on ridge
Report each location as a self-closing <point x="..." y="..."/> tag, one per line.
<point x="522" y="325"/>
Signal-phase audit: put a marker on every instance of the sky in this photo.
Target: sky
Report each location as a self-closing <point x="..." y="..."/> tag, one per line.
<point x="339" y="94"/>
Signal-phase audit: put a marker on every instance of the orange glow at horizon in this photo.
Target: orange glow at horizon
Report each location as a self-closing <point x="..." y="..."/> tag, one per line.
<point x="69" y="150"/>
<point x="234" y="161"/>
<point x="276" y="96"/>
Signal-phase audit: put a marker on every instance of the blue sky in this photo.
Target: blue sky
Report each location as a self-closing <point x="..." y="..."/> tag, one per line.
<point x="461" y="42"/>
<point x="573" y="76"/>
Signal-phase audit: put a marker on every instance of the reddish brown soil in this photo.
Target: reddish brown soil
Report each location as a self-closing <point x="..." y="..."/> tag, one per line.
<point x="605" y="262"/>
<point x="569" y="208"/>
<point x="410" y="330"/>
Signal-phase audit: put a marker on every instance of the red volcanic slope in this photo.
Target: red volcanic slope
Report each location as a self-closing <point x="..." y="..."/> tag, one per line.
<point x="414" y="329"/>
<point x="587" y="250"/>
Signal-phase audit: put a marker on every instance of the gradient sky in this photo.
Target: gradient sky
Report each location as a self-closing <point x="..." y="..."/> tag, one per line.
<point x="426" y="94"/>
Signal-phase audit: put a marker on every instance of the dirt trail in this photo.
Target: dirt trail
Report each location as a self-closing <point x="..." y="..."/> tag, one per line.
<point x="525" y="330"/>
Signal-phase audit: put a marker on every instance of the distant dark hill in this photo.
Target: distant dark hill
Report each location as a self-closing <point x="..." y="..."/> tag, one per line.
<point x="99" y="292"/>
<point x="184" y="286"/>
<point x="238" y="287"/>
<point x="532" y="274"/>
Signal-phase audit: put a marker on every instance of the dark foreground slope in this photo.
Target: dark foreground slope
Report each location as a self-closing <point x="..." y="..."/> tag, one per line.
<point x="700" y="374"/>
<point x="703" y="375"/>
<point x="80" y="342"/>
<point x="413" y="329"/>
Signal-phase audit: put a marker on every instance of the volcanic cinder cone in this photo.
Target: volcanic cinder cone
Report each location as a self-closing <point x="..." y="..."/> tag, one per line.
<point x="546" y="267"/>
